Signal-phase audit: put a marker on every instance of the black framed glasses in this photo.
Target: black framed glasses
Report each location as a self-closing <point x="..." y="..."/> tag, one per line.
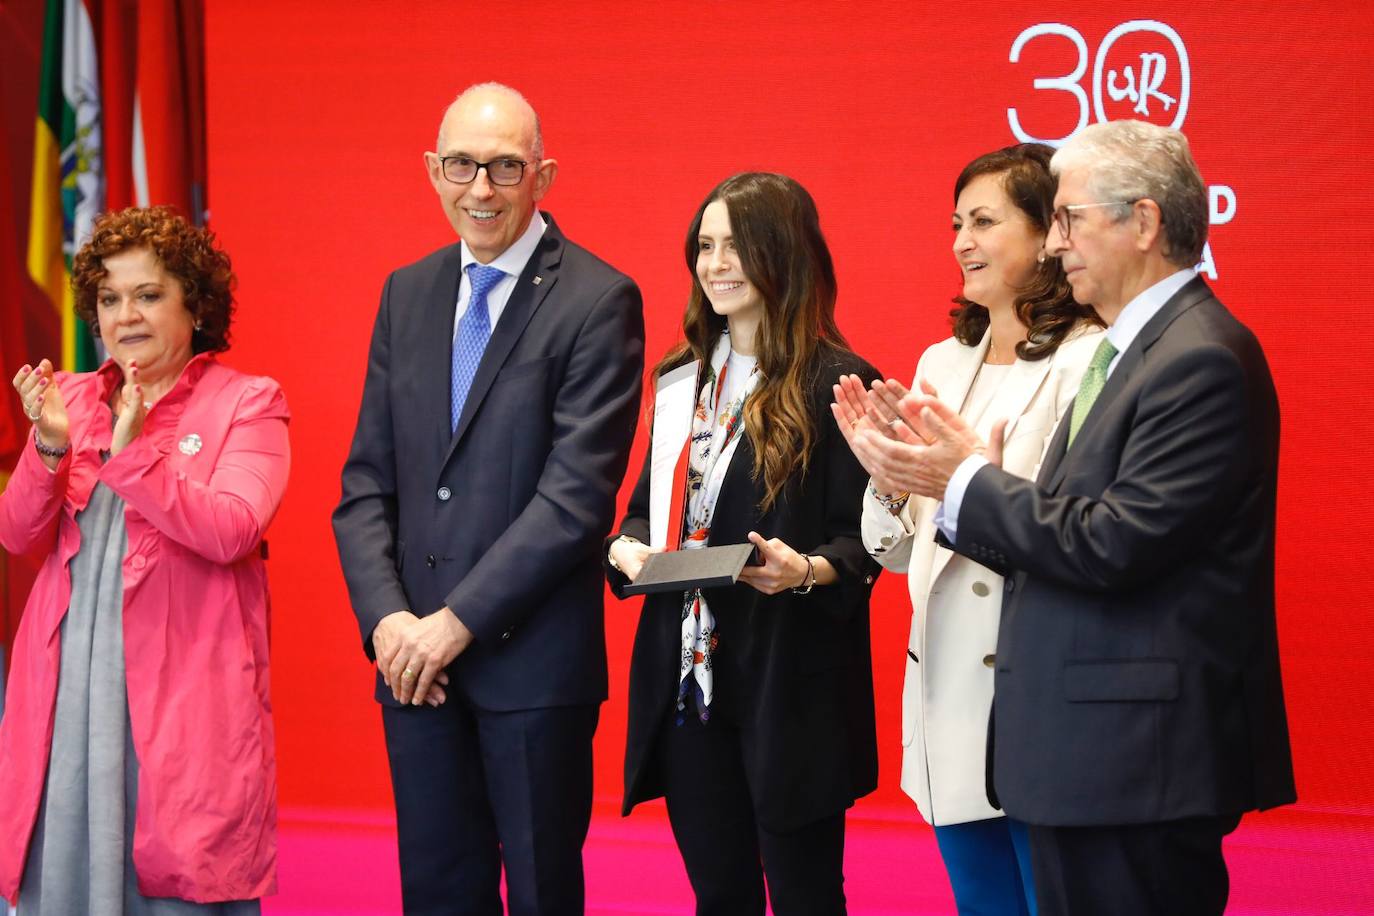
<point x="1062" y="214"/>
<point x="463" y="170"/>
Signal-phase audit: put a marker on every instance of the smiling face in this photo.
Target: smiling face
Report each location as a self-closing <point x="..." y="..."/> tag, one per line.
<point x="488" y="124"/>
<point x="995" y="243"/>
<point x="142" y="313"/>
<point x="719" y="270"/>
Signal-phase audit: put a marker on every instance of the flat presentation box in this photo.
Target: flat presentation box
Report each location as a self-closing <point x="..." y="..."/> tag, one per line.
<point x="679" y="570"/>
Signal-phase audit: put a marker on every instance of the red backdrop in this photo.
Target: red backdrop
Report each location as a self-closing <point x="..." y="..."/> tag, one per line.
<point x="317" y="121"/>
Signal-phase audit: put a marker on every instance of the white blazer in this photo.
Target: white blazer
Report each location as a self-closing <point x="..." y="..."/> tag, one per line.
<point x="955" y="602"/>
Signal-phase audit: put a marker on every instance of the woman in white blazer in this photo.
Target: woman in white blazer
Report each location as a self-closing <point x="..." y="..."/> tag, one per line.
<point x="1019" y="348"/>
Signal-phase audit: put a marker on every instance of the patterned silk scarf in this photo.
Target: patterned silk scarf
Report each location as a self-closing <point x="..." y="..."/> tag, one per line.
<point x="716" y="431"/>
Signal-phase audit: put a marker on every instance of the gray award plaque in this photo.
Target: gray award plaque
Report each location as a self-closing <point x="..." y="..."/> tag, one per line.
<point x="679" y="570"/>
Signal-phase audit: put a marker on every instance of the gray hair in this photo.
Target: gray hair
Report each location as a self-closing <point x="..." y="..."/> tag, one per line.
<point x="1135" y="160"/>
<point x="537" y="153"/>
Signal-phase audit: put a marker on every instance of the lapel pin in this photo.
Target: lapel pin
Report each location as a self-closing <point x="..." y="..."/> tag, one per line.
<point x="538" y="280"/>
<point x="190" y="444"/>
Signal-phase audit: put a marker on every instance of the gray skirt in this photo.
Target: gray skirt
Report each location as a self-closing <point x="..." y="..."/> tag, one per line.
<point x="81" y="856"/>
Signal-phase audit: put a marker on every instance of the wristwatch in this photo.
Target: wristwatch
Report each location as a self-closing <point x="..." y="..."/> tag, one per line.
<point x="610" y="557"/>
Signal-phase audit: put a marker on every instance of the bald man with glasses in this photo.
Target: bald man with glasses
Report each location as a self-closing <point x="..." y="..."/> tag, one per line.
<point x="500" y="401"/>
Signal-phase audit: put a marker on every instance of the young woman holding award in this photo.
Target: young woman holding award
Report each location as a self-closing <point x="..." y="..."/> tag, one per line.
<point x="751" y="705"/>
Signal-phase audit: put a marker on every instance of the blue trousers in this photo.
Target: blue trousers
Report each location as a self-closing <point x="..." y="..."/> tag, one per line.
<point x="989" y="865"/>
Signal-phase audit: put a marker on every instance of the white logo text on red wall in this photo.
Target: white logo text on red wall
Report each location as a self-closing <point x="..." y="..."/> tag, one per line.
<point x="1141" y="70"/>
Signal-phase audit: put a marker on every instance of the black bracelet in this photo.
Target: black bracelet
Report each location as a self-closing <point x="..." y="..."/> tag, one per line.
<point x="47" y="451"/>
<point x="810" y="581"/>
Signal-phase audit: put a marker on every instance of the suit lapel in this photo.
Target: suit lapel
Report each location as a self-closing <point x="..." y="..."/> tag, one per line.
<point x="954" y="388"/>
<point x="954" y="392"/>
<point x="531" y="288"/>
<point x="1054" y="455"/>
<point x="435" y="354"/>
<point x="1193" y="292"/>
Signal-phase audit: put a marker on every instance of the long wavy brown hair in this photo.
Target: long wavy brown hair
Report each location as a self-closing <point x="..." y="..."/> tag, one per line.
<point x="782" y="251"/>
<point x="1045" y="304"/>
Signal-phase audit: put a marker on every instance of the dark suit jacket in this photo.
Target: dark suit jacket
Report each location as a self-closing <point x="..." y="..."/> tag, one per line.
<point x="1137" y="670"/>
<point x="500" y="521"/>
<point x="793" y="672"/>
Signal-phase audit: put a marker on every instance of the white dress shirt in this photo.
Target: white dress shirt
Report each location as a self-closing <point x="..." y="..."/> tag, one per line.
<point x="1122" y="334"/>
<point x="512" y="261"/>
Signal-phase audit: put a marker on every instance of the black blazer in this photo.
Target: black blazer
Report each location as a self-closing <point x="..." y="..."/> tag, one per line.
<point x="502" y="520"/>
<point x="1137" y="673"/>
<point x="793" y="672"/>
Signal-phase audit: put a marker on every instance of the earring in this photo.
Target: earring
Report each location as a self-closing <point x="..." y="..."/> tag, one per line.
<point x="1040" y="258"/>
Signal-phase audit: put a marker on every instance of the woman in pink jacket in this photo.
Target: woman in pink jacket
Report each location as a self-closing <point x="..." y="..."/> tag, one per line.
<point x="142" y="780"/>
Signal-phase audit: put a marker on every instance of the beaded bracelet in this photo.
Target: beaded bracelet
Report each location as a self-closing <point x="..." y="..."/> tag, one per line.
<point x="48" y="451"/>
<point x="892" y="504"/>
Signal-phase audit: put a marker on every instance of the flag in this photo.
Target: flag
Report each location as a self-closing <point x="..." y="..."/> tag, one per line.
<point x="13" y="336"/>
<point x="13" y="427"/>
<point x="68" y="187"/>
<point x="152" y="64"/>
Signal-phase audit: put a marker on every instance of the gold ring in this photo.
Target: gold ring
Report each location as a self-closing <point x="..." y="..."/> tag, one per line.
<point x="855" y="422"/>
<point x="408" y="674"/>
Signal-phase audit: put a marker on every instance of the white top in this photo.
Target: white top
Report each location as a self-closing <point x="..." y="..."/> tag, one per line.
<point x="512" y="261"/>
<point x="980" y="397"/>
<point x="737" y="370"/>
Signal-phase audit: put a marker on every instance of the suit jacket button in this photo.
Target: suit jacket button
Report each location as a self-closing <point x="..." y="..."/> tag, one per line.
<point x="989" y="660"/>
<point x="981" y="589"/>
<point x="868" y="580"/>
<point x="444" y="493"/>
<point x="429" y="561"/>
<point x="506" y="635"/>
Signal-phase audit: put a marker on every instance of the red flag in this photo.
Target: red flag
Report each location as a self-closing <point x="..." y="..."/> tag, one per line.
<point x="12" y="338"/>
<point x="168" y="160"/>
<point x="118" y="73"/>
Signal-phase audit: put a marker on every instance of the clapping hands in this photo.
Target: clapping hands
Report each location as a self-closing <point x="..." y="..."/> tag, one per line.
<point x="908" y="442"/>
<point x="44" y="406"/>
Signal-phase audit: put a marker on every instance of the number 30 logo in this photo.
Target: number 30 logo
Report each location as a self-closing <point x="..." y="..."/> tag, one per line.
<point x="1142" y="88"/>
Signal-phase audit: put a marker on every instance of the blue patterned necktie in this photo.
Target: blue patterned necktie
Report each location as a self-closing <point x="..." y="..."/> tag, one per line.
<point x="1094" y="380"/>
<point x="470" y="341"/>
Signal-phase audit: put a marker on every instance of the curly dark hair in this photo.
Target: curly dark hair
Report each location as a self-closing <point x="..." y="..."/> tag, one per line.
<point x="187" y="252"/>
<point x="1046" y="305"/>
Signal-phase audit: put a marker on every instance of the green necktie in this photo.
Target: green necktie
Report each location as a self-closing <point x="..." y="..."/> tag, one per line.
<point x="1094" y="380"/>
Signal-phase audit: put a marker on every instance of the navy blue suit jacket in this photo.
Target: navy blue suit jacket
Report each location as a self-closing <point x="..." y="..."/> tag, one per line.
<point x="502" y="520"/>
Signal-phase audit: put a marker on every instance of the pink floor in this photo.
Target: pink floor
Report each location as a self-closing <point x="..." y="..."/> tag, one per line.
<point x="1292" y="861"/>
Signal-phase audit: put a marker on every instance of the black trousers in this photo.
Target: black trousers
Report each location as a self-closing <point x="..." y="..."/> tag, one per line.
<point x="728" y="854"/>
<point x="476" y="790"/>
<point x="1173" y="868"/>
